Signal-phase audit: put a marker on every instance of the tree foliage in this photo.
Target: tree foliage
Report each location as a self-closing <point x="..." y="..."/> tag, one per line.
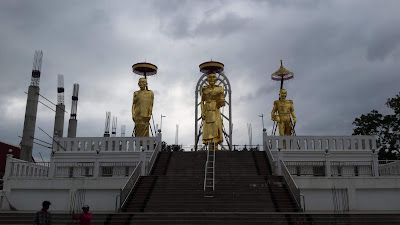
<point x="385" y="127"/>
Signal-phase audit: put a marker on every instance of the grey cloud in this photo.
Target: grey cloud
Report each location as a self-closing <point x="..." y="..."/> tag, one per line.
<point x="177" y="27"/>
<point x="343" y="58"/>
<point x="260" y="92"/>
<point x="308" y="4"/>
<point x="181" y="25"/>
<point x="383" y="42"/>
<point x="230" y="23"/>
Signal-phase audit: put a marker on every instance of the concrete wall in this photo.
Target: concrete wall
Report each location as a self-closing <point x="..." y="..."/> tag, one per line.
<point x="28" y="199"/>
<point x="384" y="199"/>
<point x="29" y="193"/>
<point x="29" y="123"/>
<point x="72" y="126"/>
<point x="59" y="121"/>
<point x="364" y="193"/>
<point x="317" y="199"/>
<point x="102" y="200"/>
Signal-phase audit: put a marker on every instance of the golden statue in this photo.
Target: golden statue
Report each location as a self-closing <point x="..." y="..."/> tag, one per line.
<point x="285" y="109"/>
<point x="212" y="98"/>
<point x="142" y="108"/>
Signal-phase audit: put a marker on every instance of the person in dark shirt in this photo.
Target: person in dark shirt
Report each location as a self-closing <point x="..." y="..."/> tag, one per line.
<point x="43" y="217"/>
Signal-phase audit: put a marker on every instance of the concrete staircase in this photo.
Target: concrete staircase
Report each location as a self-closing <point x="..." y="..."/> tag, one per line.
<point x="244" y="184"/>
<point x="246" y="192"/>
<point x="25" y="218"/>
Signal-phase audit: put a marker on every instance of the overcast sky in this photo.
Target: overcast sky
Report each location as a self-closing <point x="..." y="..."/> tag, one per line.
<point x="344" y="54"/>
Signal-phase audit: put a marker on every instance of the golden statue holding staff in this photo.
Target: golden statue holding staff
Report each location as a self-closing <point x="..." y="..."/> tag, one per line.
<point x="212" y="98"/>
<point x="285" y="109"/>
<point x="142" y="106"/>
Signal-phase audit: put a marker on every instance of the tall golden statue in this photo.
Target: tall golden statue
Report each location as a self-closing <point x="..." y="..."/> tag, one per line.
<point x="285" y="109"/>
<point x="212" y="98"/>
<point x="142" y="108"/>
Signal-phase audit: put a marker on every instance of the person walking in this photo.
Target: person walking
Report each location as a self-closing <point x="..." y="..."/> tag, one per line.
<point x="43" y="217"/>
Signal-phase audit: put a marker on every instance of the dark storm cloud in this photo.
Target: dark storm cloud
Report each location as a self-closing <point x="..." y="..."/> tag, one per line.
<point x="344" y="55"/>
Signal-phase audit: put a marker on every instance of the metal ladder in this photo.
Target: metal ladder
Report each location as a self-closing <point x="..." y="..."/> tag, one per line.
<point x="209" y="173"/>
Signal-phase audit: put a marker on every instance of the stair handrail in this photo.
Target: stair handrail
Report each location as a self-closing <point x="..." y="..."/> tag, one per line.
<point x="205" y="166"/>
<point x="270" y="158"/>
<point x="291" y="184"/>
<point x="130" y="184"/>
<point x="205" y="175"/>
<point x="153" y="157"/>
<point x="303" y="206"/>
<point x="214" y="169"/>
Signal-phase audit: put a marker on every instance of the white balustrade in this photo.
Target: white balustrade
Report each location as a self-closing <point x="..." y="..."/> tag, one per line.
<point x="389" y="167"/>
<point x="106" y="143"/>
<point x="359" y="142"/>
<point x="21" y="168"/>
<point x="337" y="168"/>
<point x="71" y="169"/>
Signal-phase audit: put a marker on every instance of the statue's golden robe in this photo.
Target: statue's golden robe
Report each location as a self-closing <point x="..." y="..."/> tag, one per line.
<point x="142" y="108"/>
<point x="212" y="98"/>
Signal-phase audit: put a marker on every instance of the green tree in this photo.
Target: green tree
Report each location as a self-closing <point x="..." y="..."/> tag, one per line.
<point x="385" y="127"/>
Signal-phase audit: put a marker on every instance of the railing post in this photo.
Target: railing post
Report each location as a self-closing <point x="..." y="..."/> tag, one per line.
<point x="327" y="164"/>
<point x="375" y="163"/>
<point x="279" y="161"/>
<point x="96" y="166"/>
<point x="143" y="160"/>
<point x="159" y="135"/>
<point x="8" y="170"/>
<point x="52" y="168"/>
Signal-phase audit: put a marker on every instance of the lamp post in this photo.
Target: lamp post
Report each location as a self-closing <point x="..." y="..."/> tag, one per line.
<point x="262" y="120"/>
<point x="161" y="121"/>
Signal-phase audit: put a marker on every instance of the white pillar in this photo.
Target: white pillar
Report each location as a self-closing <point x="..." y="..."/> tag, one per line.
<point x="327" y="164"/>
<point x="7" y="174"/>
<point x="375" y="164"/>
<point x="8" y="170"/>
<point x="96" y="166"/>
<point x="52" y="169"/>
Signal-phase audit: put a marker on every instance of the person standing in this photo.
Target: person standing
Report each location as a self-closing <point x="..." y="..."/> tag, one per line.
<point x="85" y="217"/>
<point x="43" y="217"/>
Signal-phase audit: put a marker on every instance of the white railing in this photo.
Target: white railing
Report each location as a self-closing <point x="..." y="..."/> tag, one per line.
<point x="29" y="169"/>
<point x="351" y="168"/>
<point x="150" y="164"/>
<point x="359" y="142"/>
<point x="389" y="167"/>
<point x="270" y="159"/>
<point x="306" y="168"/>
<point x="130" y="184"/>
<point x="290" y="183"/>
<point x="74" y="169"/>
<point x="106" y="143"/>
<point x="116" y="169"/>
<point x="337" y="168"/>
